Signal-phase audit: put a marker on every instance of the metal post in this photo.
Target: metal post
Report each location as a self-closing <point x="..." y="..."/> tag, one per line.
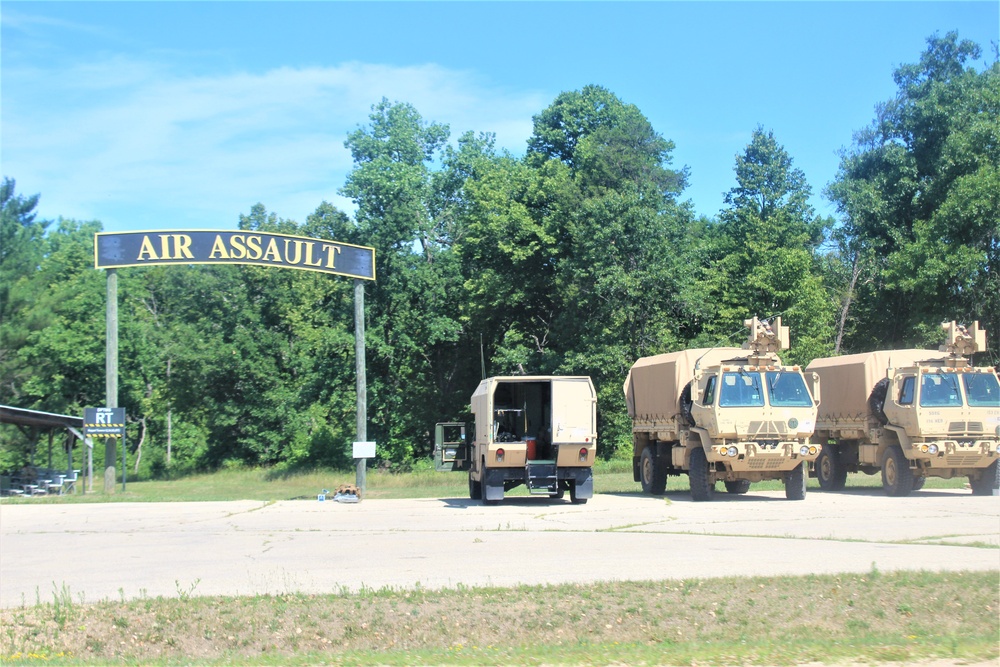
<point x="111" y="375"/>
<point x="361" y="380"/>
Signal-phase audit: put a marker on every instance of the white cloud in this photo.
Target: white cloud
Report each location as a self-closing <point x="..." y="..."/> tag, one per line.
<point x="135" y="145"/>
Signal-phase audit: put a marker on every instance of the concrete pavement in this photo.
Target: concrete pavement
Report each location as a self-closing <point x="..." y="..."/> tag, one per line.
<point x="113" y="550"/>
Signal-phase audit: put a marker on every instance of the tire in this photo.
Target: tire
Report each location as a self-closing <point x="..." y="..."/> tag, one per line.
<point x="988" y="482"/>
<point x="830" y="472"/>
<point x="897" y="478"/>
<point x="876" y="401"/>
<point x="918" y="482"/>
<point x="572" y="495"/>
<point x="686" y="403"/>
<point x="795" y="483"/>
<point x="738" y="487"/>
<point x="702" y="489"/>
<point x="475" y="489"/>
<point x="652" y="474"/>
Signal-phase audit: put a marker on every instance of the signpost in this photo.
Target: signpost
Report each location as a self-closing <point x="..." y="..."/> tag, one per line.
<point x="114" y="250"/>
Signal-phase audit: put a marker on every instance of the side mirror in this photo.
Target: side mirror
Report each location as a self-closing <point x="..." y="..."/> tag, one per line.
<point x="815" y="387"/>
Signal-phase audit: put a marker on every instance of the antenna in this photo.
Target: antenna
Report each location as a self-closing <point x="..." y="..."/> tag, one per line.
<point x="482" y="358"/>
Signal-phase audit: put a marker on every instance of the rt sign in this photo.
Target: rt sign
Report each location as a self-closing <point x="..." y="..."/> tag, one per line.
<point x="104" y="422"/>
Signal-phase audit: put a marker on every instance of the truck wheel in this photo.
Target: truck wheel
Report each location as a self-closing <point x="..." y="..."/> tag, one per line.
<point x="573" y="497"/>
<point x="475" y="489"/>
<point x="988" y="482"/>
<point x="918" y="482"/>
<point x="652" y="474"/>
<point x="739" y="486"/>
<point x="830" y="472"/>
<point x="702" y="488"/>
<point x="897" y="478"/>
<point x="795" y="483"/>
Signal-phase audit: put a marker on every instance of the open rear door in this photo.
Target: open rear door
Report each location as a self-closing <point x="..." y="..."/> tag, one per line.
<point x="573" y="410"/>
<point x="451" y="446"/>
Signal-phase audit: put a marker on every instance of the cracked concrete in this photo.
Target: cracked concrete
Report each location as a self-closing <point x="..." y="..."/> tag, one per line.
<point x="115" y="550"/>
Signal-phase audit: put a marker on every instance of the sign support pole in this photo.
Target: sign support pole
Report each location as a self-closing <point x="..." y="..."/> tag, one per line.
<point x="111" y="375"/>
<point x="361" y="380"/>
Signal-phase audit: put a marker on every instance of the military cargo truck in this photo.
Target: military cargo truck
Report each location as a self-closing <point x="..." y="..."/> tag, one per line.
<point x="910" y="414"/>
<point x="540" y="431"/>
<point x="735" y="415"/>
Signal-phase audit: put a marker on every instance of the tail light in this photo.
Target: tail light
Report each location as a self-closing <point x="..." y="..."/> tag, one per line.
<point x="583" y="453"/>
<point x="500" y="453"/>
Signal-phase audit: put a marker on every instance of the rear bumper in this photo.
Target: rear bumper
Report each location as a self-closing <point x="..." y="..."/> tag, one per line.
<point x="497" y="479"/>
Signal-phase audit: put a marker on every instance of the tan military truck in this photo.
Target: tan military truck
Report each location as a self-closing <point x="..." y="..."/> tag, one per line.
<point x="540" y="431"/>
<point x="735" y="415"/>
<point x="910" y="414"/>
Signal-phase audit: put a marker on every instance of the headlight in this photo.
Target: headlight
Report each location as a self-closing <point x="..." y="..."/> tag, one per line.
<point x="804" y="450"/>
<point x="933" y="449"/>
<point x="731" y="451"/>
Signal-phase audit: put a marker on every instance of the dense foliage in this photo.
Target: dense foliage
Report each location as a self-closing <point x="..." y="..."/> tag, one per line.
<point x="577" y="258"/>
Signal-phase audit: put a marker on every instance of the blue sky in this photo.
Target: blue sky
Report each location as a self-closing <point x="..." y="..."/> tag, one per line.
<point x="170" y="115"/>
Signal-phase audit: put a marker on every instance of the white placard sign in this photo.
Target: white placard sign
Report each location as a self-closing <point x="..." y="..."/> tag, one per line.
<point x="364" y="450"/>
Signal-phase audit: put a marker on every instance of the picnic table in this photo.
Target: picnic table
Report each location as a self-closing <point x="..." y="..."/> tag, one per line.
<point x="31" y="482"/>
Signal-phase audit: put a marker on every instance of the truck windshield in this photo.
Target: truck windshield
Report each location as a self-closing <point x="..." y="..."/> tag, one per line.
<point x="939" y="390"/>
<point x="787" y="390"/>
<point x="982" y="390"/>
<point x="741" y="390"/>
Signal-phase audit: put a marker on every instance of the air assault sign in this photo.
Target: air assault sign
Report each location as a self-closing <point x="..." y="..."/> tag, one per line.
<point x="116" y="250"/>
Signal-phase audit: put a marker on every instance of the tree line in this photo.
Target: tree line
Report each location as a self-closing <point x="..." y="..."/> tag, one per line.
<point x="578" y="257"/>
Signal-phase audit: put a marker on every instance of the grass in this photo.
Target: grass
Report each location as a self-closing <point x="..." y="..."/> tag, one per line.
<point x="863" y="618"/>
<point x="269" y="485"/>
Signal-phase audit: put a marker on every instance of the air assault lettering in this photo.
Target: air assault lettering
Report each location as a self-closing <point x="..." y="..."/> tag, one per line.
<point x="113" y="250"/>
<point x="181" y="248"/>
<point x="294" y="252"/>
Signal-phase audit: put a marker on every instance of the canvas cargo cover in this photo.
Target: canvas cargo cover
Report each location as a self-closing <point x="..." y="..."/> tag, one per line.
<point x="654" y="384"/>
<point x="847" y="382"/>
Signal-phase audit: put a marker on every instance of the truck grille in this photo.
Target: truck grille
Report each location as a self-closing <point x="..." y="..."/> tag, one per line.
<point x="766" y="462"/>
<point x="965" y="427"/>
<point x="962" y="460"/>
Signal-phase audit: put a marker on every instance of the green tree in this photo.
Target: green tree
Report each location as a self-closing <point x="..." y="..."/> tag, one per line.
<point x="918" y="192"/>
<point x="413" y="308"/>
<point x="765" y="261"/>
<point x="21" y="249"/>
<point x="573" y="255"/>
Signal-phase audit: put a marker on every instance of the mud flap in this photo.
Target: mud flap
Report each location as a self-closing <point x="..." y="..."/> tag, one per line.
<point x="493" y="484"/>
<point x="584" y="483"/>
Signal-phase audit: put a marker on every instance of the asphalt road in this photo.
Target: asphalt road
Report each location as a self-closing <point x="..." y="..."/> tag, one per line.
<point x="115" y="550"/>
